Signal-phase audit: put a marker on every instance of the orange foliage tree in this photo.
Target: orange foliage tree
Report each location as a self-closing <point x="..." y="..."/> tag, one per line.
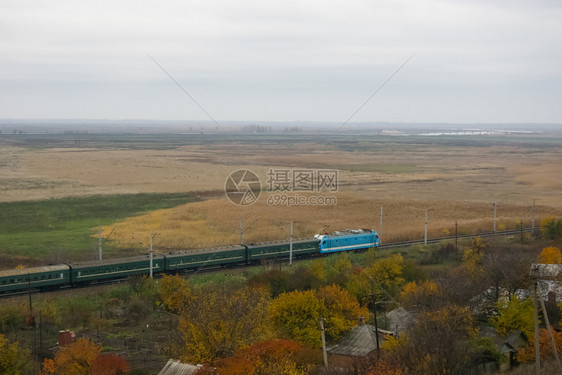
<point x="527" y="354"/>
<point x="109" y="364"/>
<point x="75" y="359"/>
<point x="264" y="358"/>
<point x="550" y="255"/>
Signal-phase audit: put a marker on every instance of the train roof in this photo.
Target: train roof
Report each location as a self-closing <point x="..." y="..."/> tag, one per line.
<point x="349" y="232"/>
<point x="283" y="242"/>
<point x="25" y="271"/>
<point x="205" y="251"/>
<point x="111" y="261"/>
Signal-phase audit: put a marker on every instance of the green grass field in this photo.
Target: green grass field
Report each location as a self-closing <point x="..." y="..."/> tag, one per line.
<point x="49" y="230"/>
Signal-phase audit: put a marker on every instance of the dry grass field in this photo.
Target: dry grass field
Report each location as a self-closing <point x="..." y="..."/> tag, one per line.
<point x="455" y="181"/>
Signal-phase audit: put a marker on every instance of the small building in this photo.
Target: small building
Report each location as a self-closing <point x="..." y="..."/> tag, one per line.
<point x="358" y="344"/>
<point x="66" y="338"/>
<point x="174" y="367"/>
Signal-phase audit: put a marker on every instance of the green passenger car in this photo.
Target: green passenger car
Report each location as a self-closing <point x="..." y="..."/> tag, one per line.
<point x="34" y="277"/>
<point x="281" y="249"/>
<point x="193" y="259"/>
<point x="115" y="268"/>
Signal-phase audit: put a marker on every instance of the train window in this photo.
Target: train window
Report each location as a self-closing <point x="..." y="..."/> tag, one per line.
<point x="3" y="282"/>
<point x="50" y="276"/>
<point x="42" y="277"/>
<point x="11" y="281"/>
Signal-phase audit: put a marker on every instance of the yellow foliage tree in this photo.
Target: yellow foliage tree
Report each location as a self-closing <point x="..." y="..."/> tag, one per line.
<point x="423" y="295"/>
<point x="298" y="313"/>
<point x="75" y="359"/>
<point x="221" y="320"/>
<point x="174" y="292"/>
<point x="12" y="357"/>
<point x="385" y="276"/>
<point x="473" y="258"/>
<point x="550" y="255"/>
<point x="342" y="310"/>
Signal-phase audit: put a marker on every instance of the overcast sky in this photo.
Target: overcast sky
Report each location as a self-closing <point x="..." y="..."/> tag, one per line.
<point x="474" y="61"/>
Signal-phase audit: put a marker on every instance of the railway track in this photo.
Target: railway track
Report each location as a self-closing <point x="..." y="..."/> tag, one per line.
<point x="98" y="283"/>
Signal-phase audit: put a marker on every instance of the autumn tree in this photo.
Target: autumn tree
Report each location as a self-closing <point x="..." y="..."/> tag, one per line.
<point x="74" y="359"/>
<point x="12" y="357"/>
<point x="473" y="258"/>
<point x="550" y="255"/>
<point x="527" y="354"/>
<point x="385" y="276"/>
<point x="425" y="295"/>
<point x="338" y="269"/>
<point x="342" y="310"/>
<point x="272" y="357"/>
<point x="513" y="315"/>
<point x="220" y="320"/>
<point x="174" y="293"/>
<point x="439" y="342"/>
<point x="551" y="228"/>
<point x="109" y="364"/>
<point x="506" y="269"/>
<point x="298" y="313"/>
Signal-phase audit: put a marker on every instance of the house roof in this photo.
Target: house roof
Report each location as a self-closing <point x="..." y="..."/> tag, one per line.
<point x="174" y="367"/>
<point x="359" y="342"/>
<point x="399" y="319"/>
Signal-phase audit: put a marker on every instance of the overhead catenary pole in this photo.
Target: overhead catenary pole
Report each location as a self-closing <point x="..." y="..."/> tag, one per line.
<point x="380" y="228"/>
<point x="291" y="246"/>
<point x="324" y="352"/>
<point x="495" y="217"/>
<point x="99" y="244"/>
<point x="425" y="236"/>
<point x="533" y="219"/>
<point x="151" y="255"/>
<point x="456" y="236"/>
<point x="241" y="230"/>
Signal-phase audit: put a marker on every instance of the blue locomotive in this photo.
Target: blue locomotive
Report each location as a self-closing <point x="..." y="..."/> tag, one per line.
<point x="55" y="276"/>
<point x="350" y="239"/>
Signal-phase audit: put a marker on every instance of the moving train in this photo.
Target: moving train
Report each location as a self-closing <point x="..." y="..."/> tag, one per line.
<point x="73" y="274"/>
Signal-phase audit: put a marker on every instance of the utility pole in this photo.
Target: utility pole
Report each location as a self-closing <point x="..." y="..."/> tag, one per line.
<point x="456" y="236"/>
<point x="545" y="315"/>
<point x="425" y="237"/>
<point x="40" y="333"/>
<point x="240" y="230"/>
<point x="291" y="246"/>
<point x="99" y="244"/>
<point x="29" y="289"/>
<point x="533" y="219"/>
<point x="536" y="316"/>
<point x="151" y="256"/>
<point x="324" y="352"/>
<point x="494" y="217"/>
<point x="380" y="228"/>
<point x="521" y="221"/>
<point x="375" y="316"/>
